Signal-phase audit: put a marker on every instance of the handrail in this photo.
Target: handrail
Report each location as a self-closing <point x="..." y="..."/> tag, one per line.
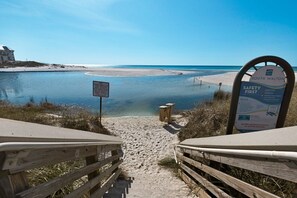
<point x="12" y="130"/>
<point x="26" y="146"/>
<point x="10" y="146"/>
<point x="281" y="139"/>
<point x="270" y="152"/>
<point x="285" y="155"/>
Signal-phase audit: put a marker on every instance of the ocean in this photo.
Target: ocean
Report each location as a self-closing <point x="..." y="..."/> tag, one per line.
<point x="137" y="96"/>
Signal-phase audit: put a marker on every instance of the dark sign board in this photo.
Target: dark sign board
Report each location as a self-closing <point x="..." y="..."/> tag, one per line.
<point x="101" y="89"/>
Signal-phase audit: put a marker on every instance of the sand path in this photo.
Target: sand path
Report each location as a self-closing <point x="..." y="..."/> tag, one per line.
<point x="146" y="142"/>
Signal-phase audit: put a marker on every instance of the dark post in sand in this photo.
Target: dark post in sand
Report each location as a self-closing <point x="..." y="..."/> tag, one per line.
<point x="101" y="89"/>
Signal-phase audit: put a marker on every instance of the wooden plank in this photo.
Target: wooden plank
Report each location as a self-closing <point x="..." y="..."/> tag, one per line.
<point x="281" y="139"/>
<point x="198" y="190"/>
<point x="18" y="131"/>
<point x="47" y="188"/>
<point x="280" y="169"/>
<point x="18" y="161"/>
<point x="2" y="159"/>
<point x="243" y="187"/>
<point x="92" y="160"/>
<point x="15" y="146"/>
<point x="100" y="192"/>
<point x="204" y="182"/>
<point x="90" y="184"/>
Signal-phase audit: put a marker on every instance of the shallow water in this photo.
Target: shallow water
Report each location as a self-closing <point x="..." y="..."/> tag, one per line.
<point x="128" y="95"/>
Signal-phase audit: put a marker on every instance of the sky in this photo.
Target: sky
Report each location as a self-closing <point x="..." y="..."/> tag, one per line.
<point x="149" y="32"/>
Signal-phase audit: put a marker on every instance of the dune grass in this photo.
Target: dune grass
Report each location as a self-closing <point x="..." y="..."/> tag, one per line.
<point x="51" y="114"/>
<point x="208" y="119"/>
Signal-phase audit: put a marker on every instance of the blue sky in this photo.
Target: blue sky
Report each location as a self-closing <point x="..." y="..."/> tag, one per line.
<point x="193" y="32"/>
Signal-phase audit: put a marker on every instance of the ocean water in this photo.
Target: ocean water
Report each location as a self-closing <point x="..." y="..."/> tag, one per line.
<point x="128" y="95"/>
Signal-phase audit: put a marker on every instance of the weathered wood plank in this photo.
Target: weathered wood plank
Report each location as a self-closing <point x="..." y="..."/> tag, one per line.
<point x="243" y="187"/>
<point x="90" y="184"/>
<point x="18" y="131"/>
<point x="47" y="188"/>
<point x="281" y="139"/>
<point x="286" y="170"/>
<point x="198" y="190"/>
<point x="18" y="161"/>
<point x="100" y="192"/>
<point x="17" y="146"/>
<point x="204" y="182"/>
<point x="92" y="160"/>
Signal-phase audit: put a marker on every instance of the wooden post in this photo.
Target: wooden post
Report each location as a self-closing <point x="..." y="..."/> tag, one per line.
<point x="91" y="160"/>
<point x="169" y="112"/>
<point x="113" y="153"/>
<point x="162" y="115"/>
<point x="10" y="185"/>
<point x="100" y="108"/>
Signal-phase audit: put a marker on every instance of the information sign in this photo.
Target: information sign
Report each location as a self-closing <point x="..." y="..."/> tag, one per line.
<point x="101" y="89"/>
<point x="260" y="100"/>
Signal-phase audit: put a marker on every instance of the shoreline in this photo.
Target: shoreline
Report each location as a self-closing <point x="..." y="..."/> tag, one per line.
<point x="225" y="78"/>
<point x="98" y="71"/>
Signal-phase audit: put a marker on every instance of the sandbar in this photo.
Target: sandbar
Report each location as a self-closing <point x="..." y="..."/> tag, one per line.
<point x="97" y="71"/>
<point x="129" y="72"/>
<point x="225" y="78"/>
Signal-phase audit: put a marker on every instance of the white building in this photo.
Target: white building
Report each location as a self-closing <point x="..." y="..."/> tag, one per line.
<point x="6" y="54"/>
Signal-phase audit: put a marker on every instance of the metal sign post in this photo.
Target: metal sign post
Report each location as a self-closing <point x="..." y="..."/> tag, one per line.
<point x="101" y="89"/>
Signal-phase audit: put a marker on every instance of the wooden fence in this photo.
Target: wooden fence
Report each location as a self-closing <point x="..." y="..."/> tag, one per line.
<point x="28" y="147"/>
<point x="206" y="162"/>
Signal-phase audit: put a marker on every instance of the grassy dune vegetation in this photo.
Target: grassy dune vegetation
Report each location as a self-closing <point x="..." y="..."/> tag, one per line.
<point x="210" y="119"/>
<point x="21" y="64"/>
<point x="55" y="115"/>
<point x="50" y="114"/>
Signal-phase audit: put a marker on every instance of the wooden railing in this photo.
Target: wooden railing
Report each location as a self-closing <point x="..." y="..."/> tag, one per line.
<point x="25" y="147"/>
<point x="205" y="163"/>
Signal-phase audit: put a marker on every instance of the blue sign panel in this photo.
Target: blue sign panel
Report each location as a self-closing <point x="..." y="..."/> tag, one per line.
<point x="260" y="100"/>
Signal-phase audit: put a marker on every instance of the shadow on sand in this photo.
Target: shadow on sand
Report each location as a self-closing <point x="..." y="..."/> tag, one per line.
<point x="173" y="127"/>
<point x="119" y="189"/>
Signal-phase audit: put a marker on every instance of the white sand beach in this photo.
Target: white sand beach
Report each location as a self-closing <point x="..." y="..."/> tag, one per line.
<point x="128" y="72"/>
<point x="225" y="79"/>
<point x="97" y="71"/>
<point x="49" y="68"/>
<point x="146" y="141"/>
